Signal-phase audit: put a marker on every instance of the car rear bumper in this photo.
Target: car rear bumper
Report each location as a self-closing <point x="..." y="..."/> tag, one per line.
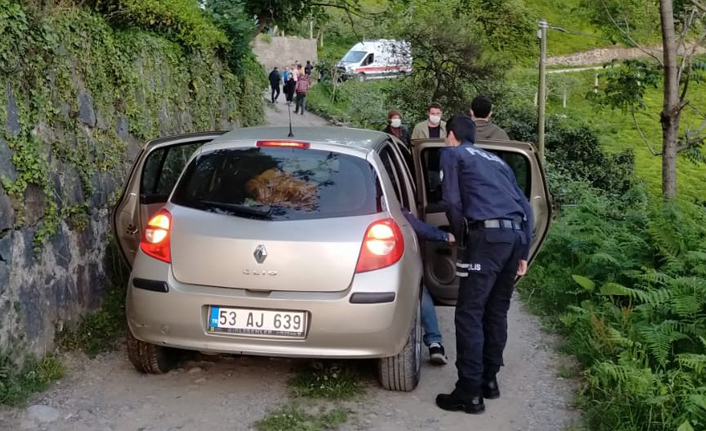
<point x="337" y="328"/>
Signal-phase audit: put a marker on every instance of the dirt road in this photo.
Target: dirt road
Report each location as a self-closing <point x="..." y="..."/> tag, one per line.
<point x="231" y="393"/>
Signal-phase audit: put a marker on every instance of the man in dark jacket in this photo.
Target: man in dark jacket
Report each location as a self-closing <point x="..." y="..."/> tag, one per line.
<point x="275" y="79"/>
<point x="481" y="111"/>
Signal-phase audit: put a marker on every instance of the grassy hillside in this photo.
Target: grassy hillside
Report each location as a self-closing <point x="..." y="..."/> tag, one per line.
<point x="617" y="131"/>
<point x="566" y="14"/>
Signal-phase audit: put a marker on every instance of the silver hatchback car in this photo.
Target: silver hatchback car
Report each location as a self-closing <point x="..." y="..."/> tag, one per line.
<point x="253" y="242"/>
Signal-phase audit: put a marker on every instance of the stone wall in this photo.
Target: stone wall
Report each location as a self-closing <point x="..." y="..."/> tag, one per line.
<point x="78" y="99"/>
<point x="284" y="51"/>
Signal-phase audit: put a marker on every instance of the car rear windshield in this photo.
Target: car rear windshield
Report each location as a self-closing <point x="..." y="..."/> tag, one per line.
<point x="280" y="184"/>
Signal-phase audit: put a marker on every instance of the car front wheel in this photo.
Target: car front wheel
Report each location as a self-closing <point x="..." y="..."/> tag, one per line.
<point x="149" y="358"/>
<point x="403" y="371"/>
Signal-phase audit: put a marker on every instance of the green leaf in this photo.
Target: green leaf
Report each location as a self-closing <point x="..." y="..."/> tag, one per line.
<point x="614" y="289"/>
<point x="584" y="282"/>
<point x="686" y="426"/>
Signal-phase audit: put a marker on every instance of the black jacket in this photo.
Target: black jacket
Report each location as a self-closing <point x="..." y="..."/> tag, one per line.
<point x="275" y="78"/>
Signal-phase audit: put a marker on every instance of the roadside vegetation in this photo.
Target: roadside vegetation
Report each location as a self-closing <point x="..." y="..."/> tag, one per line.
<point x="20" y="381"/>
<point x="297" y="417"/>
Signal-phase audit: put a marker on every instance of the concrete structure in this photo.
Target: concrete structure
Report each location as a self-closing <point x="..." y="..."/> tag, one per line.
<point x="284" y="51"/>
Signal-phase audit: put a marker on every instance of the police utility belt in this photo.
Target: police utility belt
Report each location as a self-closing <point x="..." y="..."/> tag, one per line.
<point x="462" y="268"/>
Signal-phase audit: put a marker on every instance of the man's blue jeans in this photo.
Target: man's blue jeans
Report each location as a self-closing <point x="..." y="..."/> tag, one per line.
<point x="429" y="321"/>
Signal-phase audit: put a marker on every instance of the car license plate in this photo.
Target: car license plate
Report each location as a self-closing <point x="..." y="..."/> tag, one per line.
<point x="269" y="323"/>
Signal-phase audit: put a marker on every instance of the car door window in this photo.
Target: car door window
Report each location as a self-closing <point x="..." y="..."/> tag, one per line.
<point x="152" y="178"/>
<point x="161" y="172"/>
<point x="519" y="164"/>
<point x="369" y="59"/>
<point x="404" y="154"/>
<point x="388" y="162"/>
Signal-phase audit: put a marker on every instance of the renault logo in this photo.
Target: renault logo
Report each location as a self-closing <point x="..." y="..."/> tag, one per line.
<point x="260" y="253"/>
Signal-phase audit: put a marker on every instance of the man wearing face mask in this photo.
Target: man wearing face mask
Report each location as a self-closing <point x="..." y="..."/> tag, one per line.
<point x="395" y="127"/>
<point x="433" y="127"/>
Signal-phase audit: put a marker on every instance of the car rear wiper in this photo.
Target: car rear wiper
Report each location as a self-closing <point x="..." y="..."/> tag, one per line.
<point x="264" y="212"/>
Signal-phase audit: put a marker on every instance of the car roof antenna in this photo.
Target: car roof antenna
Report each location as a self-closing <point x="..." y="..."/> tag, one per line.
<point x="289" y="109"/>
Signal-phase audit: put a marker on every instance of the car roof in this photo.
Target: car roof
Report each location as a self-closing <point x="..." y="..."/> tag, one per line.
<point x="348" y="137"/>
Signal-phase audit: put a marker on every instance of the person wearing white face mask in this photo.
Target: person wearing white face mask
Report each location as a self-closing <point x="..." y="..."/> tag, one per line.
<point x="395" y="127"/>
<point x="434" y="127"/>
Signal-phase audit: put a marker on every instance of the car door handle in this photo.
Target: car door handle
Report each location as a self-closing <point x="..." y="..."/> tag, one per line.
<point x="131" y="229"/>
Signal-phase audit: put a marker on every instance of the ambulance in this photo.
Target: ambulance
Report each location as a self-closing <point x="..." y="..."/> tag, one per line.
<point x="376" y="59"/>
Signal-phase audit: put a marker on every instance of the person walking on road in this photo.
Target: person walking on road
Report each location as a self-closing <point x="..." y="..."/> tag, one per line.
<point x="289" y="85"/>
<point x="430" y="323"/>
<point x="433" y="127"/>
<point x="493" y="222"/>
<point x="275" y="79"/>
<point x="481" y="111"/>
<point x="307" y="68"/>
<point x="302" y="88"/>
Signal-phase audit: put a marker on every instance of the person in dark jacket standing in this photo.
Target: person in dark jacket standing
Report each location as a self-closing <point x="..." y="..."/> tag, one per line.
<point x="490" y="215"/>
<point x="481" y="111"/>
<point x="275" y="79"/>
<point x="395" y="127"/>
<point x="307" y="68"/>
<point x="302" y="87"/>
<point x="289" y="87"/>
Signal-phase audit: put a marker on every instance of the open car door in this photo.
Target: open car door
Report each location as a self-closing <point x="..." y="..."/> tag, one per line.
<point x="153" y="176"/>
<point x="440" y="258"/>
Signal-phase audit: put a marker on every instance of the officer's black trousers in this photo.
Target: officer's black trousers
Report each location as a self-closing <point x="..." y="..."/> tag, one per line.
<point x="483" y="303"/>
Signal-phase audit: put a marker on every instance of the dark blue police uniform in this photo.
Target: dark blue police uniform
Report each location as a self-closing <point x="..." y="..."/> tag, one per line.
<point x="486" y="207"/>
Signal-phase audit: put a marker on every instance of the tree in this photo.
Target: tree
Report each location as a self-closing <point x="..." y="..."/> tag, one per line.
<point x="682" y="24"/>
<point x="450" y="61"/>
<point x="268" y="13"/>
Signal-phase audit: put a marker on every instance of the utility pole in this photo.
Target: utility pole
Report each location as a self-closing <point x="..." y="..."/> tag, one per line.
<point x="542" y="96"/>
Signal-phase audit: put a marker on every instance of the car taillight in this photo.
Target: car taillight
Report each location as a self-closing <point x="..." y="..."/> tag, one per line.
<point x="383" y="245"/>
<point x="284" y="144"/>
<point x="155" y="239"/>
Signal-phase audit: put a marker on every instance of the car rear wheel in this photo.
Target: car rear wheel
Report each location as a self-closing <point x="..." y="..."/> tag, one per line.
<point x="402" y="371"/>
<point x="149" y="358"/>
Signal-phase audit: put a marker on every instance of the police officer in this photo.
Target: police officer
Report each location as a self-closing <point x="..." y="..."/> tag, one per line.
<point x="485" y="207"/>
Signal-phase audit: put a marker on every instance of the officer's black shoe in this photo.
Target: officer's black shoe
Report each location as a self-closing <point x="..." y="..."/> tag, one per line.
<point x="491" y="390"/>
<point x="459" y="400"/>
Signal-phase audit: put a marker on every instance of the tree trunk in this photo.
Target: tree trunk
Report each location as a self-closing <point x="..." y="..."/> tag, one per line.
<point x="671" y="112"/>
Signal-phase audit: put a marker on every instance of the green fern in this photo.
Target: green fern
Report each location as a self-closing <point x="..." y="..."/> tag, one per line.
<point x="692" y="361"/>
<point x="659" y="339"/>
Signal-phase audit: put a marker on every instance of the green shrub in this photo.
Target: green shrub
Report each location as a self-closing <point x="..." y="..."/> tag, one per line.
<point x="625" y="280"/>
<point x="17" y="383"/>
<point x="182" y="21"/>
<point x="572" y="150"/>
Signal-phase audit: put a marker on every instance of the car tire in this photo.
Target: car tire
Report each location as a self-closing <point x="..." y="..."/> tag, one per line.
<point x="403" y="371"/>
<point x="149" y="358"/>
<point x="362" y="77"/>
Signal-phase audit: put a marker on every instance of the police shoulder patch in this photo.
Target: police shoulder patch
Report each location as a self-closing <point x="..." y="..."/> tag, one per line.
<point x="441" y="175"/>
